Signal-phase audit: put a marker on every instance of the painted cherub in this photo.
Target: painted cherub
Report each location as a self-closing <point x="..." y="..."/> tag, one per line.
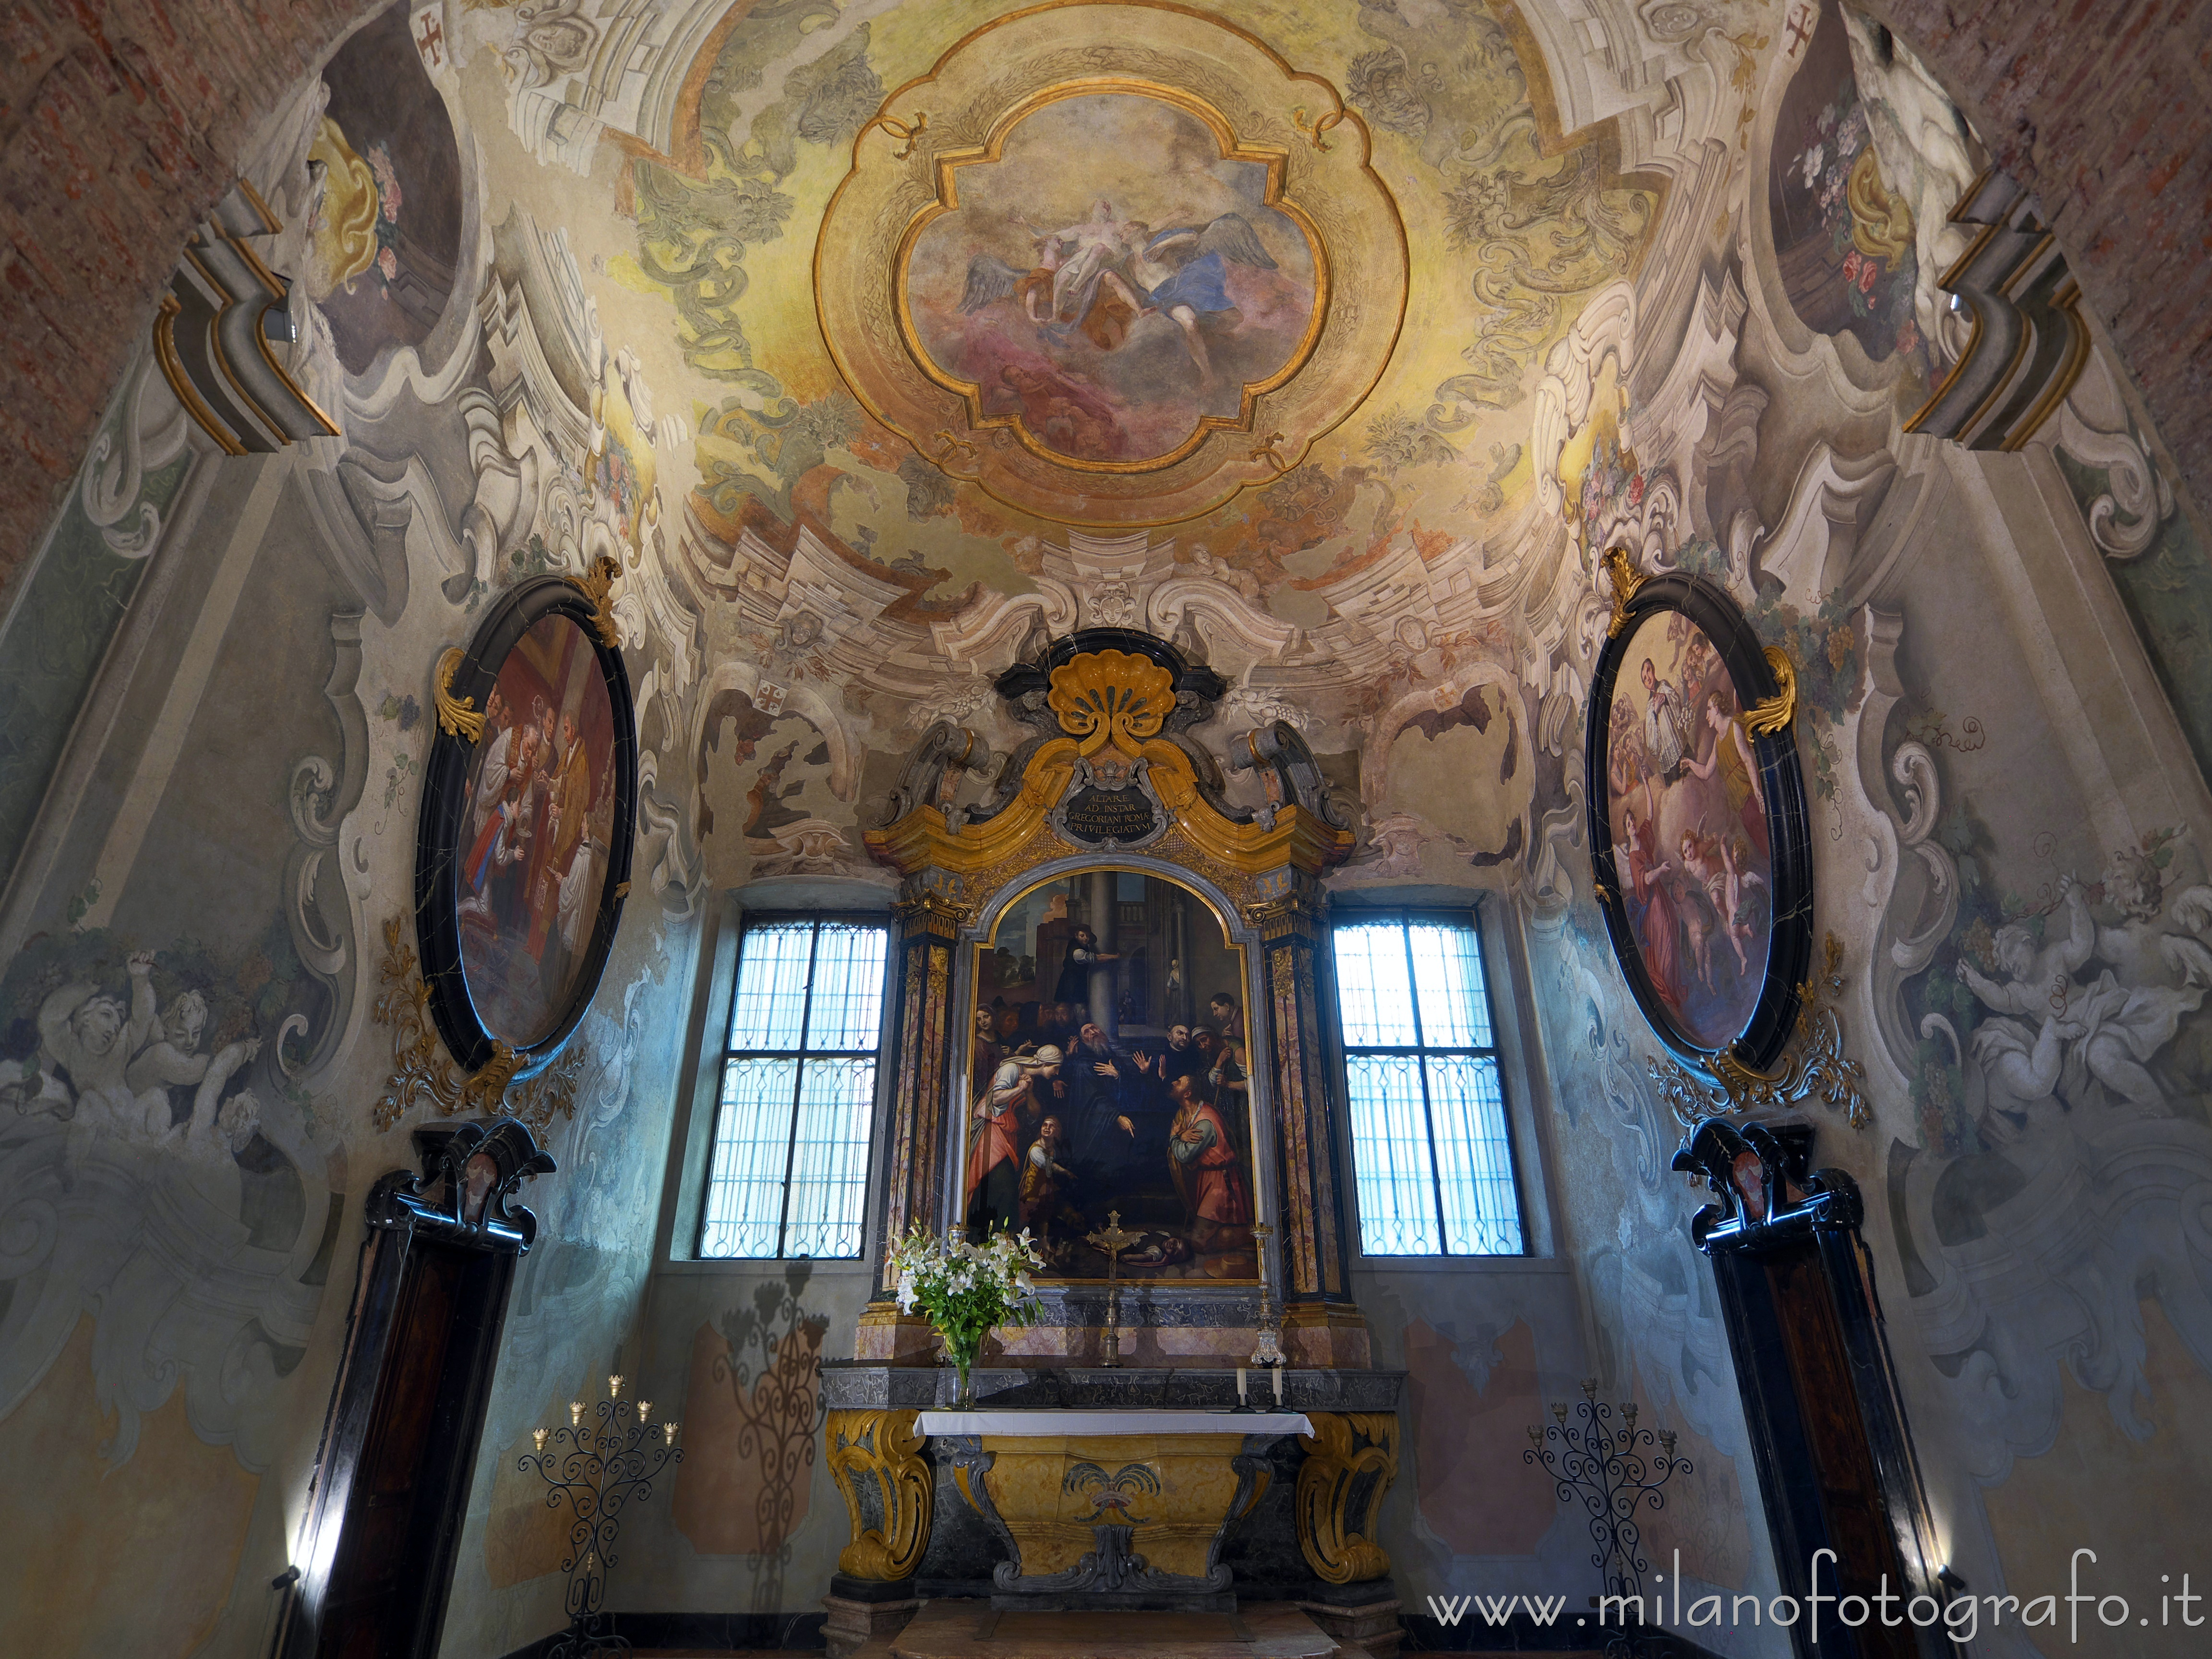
<point x="2039" y="981"/>
<point x="1704" y="907"/>
<point x="1747" y="898"/>
<point x="91" y="1036"/>
<point x="173" y="1055"/>
<point x="209" y="1143"/>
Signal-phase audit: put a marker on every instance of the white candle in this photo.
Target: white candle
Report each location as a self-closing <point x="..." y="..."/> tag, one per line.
<point x="1240" y="1386"/>
<point x="1278" y="1370"/>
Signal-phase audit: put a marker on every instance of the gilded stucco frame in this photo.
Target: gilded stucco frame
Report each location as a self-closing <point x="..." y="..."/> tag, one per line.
<point x="1260" y="109"/>
<point x="949" y="162"/>
<point x="1110" y="694"/>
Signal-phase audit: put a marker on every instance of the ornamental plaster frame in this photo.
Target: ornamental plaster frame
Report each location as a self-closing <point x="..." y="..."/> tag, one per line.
<point x="1260" y="107"/>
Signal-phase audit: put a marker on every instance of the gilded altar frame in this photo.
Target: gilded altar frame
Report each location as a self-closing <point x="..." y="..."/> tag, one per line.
<point x="1103" y="703"/>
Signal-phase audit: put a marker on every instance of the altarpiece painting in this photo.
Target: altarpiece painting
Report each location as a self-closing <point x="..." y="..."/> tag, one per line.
<point x="1112" y="1078"/>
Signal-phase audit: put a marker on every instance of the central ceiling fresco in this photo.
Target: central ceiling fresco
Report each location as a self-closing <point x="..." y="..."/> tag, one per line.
<point x="948" y="278"/>
<point x="1130" y="271"/>
<point x="881" y="342"/>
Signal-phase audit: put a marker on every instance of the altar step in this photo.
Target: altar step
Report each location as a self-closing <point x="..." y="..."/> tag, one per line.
<point x="972" y="1629"/>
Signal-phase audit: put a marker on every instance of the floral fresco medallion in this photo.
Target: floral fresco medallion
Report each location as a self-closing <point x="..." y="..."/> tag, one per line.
<point x="1101" y="261"/>
<point x="1844" y="240"/>
<point x="1698" y="822"/>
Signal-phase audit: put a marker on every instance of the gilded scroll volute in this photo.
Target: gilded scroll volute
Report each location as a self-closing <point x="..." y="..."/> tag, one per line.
<point x="1351" y="1458"/>
<point x="882" y="1448"/>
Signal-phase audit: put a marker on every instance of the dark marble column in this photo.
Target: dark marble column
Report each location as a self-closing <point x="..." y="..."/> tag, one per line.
<point x="915" y="1150"/>
<point x="1320" y="1324"/>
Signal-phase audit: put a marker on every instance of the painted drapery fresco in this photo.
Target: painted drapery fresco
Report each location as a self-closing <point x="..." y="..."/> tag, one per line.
<point x="1689" y="828"/>
<point x="1066" y="1122"/>
<point x="536" y="832"/>
<point x="1111" y="278"/>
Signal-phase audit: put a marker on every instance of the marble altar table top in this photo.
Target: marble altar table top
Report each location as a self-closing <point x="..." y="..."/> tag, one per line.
<point x="964" y="1630"/>
<point x="1066" y="1421"/>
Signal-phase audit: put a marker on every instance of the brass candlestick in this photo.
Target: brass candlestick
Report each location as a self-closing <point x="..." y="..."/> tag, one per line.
<point x="1112" y="1238"/>
<point x="1269" y="1350"/>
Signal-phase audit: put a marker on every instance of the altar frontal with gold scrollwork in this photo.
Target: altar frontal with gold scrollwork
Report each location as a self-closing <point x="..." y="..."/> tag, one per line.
<point x="1112" y="262"/>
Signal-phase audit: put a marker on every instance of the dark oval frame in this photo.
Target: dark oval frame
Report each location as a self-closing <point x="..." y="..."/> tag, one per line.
<point x="1788" y="823"/>
<point x="443" y="818"/>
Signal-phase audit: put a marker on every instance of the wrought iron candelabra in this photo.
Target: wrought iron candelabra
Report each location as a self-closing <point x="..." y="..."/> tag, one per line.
<point x="604" y="1460"/>
<point x="1606" y="1471"/>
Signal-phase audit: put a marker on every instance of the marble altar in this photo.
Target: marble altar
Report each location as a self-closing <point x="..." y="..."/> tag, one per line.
<point x="1102" y="1508"/>
<point x="1303" y="1534"/>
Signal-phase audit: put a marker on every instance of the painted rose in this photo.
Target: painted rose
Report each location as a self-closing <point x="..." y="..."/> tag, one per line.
<point x="1868" y="270"/>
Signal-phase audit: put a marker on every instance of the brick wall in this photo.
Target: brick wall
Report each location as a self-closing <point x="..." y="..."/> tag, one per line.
<point x="2103" y="108"/>
<point x="118" y="122"/>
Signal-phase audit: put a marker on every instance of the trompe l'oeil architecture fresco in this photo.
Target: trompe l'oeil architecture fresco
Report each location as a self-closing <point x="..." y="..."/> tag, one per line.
<point x="1470" y="734"/>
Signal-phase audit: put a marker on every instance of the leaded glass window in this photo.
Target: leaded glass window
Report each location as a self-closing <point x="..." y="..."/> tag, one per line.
<point x="1432" y="1159"/>
<point x="788" y="1174"/>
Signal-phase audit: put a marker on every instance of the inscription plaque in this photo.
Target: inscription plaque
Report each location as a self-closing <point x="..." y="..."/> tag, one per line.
<point x="1100" y="817"/>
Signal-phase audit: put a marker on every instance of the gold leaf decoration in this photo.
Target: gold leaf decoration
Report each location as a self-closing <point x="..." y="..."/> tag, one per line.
<point x="1111" y="696"/>
<point x="1351" y="1458"/>
<point x="881" y="1446"/>
<point x="424" y="1074"/>
<point x="1774" y="713"/>
<point x="457" y="715"/>
<point x="1626" y="580"/>
<point x="594" y="586"/>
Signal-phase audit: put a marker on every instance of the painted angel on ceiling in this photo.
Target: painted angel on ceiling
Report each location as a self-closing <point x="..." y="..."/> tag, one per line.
<point x="1101" y="274"/>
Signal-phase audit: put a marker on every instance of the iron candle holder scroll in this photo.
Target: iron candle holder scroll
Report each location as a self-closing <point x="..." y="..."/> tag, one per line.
<point x="607" y="1457"/>
<point x="1606" y="1471"/>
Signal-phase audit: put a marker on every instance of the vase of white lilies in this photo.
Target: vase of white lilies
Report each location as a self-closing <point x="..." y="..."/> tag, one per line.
<point x="966" y="1291"/>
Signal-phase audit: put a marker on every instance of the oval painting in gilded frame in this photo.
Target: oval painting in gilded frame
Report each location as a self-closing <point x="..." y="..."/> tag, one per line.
<point x="1698" y="825"/>
<point x="523" y="851"/>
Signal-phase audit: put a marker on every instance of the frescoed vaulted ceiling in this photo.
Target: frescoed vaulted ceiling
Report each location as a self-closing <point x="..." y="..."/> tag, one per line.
<point x="883" y="342"/>
<point x="1504" y="224"/>
<point x="1421" y="234"/>
<point x="880" y="345"/>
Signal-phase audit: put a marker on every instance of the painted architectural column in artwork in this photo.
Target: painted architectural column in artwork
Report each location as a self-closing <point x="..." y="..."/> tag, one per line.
<point x="1321" y="1325"/>
<point x="914" y="1150"/>
<point x="1105" y="906"/>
